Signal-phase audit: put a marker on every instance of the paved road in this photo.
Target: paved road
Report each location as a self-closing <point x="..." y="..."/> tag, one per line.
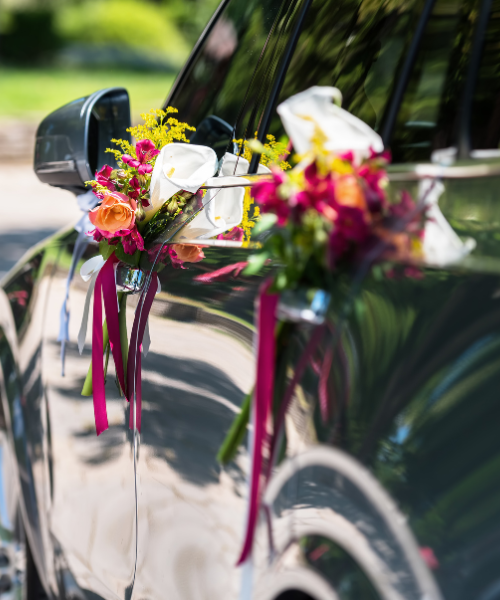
<point x="29" y="212"/>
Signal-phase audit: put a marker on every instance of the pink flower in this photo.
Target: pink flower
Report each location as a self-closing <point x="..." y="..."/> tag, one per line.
<point x="319" y="192"/>
<point x="176" y="262"/>
<point x="235" y="234"/>
<point x="374" y="193"/>
<point x="267" y="196"/>
<point x="350" y="228"/>
<point x="136" y="188"/>
<point x="429" y="557"/>
<point x="102" y="177"/>
<point x="145" y="151"/>
<point x="132" y="241"/>
<point x="406" y="211"/>
<point x="348" y="156"/>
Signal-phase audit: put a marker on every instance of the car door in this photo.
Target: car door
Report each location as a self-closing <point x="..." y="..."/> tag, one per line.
<point x="89" y="515"/>
<point x="191" y="511"/>
<point x="200" y="364"/>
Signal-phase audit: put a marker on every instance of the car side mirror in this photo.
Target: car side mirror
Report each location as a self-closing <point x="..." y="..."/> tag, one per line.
<point x="71" y="142"/>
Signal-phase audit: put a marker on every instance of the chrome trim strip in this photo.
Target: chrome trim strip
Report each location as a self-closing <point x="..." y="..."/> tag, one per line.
<point x="395" y="173"/>
<point x="430" y="171"/>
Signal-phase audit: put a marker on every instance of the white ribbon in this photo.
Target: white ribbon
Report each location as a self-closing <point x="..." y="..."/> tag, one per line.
<point x="90" y="270"/>
<point x="86" y="202"/>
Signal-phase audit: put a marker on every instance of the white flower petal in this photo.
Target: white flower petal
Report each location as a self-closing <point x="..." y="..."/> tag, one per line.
<point x="302" y="113"/>
<point x="179" y="167"/>
<point x="441" y="245"/>
<point x="237" y="165"/>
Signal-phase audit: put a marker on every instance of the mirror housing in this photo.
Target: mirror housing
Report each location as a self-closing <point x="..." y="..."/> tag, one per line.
<point x="71" y="142"/>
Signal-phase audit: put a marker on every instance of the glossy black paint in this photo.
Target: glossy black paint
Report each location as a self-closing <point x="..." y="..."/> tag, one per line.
<point x="391" y="490"/>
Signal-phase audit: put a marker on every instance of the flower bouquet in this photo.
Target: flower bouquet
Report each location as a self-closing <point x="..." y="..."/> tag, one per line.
<point x="325" y="225"/>
<point x="155" y="189"/>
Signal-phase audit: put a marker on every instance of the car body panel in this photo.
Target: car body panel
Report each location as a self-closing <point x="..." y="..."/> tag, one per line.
<point x="388" y="488"/>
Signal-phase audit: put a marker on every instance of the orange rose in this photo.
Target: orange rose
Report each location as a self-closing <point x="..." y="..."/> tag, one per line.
<point x="348" y="192"/>
<point x="188" y="253"/>
<point x="116" y="212"/>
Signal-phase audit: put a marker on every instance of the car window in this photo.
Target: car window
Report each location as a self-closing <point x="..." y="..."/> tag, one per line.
<point x="356" y="46"/>
<point x="428" y="115"/>
<point x="361" y="48"/>
<point x="227" y="85"/>
<point x="485" y="113"/>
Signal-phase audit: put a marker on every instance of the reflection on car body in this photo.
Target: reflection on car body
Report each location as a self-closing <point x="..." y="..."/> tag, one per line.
<point x="395" y="494"/>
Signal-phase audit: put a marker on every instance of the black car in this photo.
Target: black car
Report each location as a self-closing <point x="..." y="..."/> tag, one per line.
<point x="395" y="496"/>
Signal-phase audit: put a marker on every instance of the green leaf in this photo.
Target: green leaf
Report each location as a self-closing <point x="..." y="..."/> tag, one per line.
<point x="129" y="259"/>
<point x="255" y="263"/>
<point x="264" y="223"/>
<point x="106" y="249"/>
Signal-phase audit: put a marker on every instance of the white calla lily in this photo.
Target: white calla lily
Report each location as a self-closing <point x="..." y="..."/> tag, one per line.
<point x="179" y="167"/>
<point x="441" y="244"/>
<point x="237" y="165"/>
<point x="303" y="114"/>
<point x="223" y="205"/>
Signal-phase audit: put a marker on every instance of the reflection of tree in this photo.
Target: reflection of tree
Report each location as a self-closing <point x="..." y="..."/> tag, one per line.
<point x="424" y="366"/>
<point x="356" y="46"/>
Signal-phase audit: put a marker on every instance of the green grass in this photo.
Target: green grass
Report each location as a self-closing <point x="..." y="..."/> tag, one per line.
<point x="30" y="94"/>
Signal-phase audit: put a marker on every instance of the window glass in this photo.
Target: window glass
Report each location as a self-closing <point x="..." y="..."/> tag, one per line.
<point x="227" y="86"/>
<point x="427" y="119"/>
<point x="485" y="115"/>
<point x="356" y="46"/>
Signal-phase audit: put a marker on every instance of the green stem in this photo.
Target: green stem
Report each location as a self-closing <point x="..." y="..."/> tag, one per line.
<point x="87" y="386"/>
<point x="106" y="361"/>
<point x="238" y="427"/>
<point x="236" y="432"/>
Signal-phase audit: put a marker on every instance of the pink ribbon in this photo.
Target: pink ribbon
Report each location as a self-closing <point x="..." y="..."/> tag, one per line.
<point x="99" y="394"/>
<point x="105" y="286"/>
<point x="263" y="398"/>
<point x="134" y="355"/>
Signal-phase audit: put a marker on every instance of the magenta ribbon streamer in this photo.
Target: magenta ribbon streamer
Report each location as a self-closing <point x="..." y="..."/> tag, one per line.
<point x="112" y="319"/>
<point x="105" y="286"/>
<point x="263" y="397"/>
<point x="99" y="394"/>
<point x="304" y="360"/>
<point x="134" y="356"/>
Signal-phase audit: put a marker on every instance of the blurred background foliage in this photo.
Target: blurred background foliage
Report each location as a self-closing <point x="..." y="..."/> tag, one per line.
<point x="53" y="51"/>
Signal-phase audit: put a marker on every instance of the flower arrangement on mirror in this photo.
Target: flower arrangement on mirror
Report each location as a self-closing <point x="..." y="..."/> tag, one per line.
<point x="155" y="189"/>
<point x="325" y="226"/>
